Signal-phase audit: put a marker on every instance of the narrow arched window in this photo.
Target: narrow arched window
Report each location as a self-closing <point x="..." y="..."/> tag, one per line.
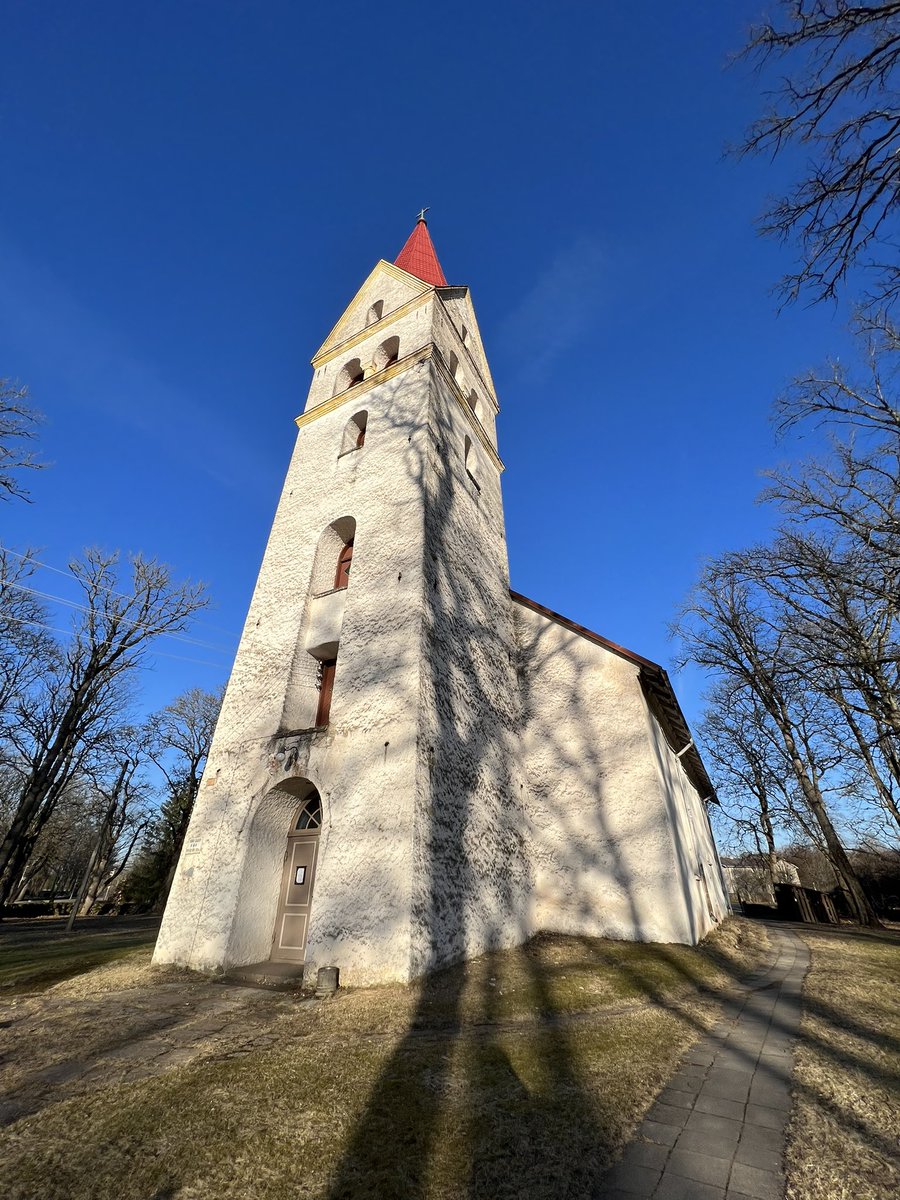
<point x="469" y="461"/>
<point x="345" y="558"/>
<point x="354" y="436"/>
<point x="453" y="365"/>
<point x="464" y="335"/>
<point x="351" y="373"/>
<point x="388" y="352"/>
<point x="375" y="312"/>
<point x="332" y="543"/>
<point x="472" y="399"/>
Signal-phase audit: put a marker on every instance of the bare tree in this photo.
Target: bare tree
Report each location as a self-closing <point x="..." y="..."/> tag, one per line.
<point x="26" y="650"/>
<point x="72" y="710"/>
<point x="732" y="628"/>
<point x="179" y="737"/>
<point x="123" y="814"/>
<point x="18" y="422"/>
<point x="837" y="96"/>
<point x="750" y="766"/>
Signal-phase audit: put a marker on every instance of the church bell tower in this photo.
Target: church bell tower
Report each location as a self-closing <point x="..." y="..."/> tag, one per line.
<point x="361" y="806"/>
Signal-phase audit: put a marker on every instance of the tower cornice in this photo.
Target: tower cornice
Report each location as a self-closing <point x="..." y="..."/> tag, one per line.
<point x="423" y="354"/>
<point x="339" y="348"/>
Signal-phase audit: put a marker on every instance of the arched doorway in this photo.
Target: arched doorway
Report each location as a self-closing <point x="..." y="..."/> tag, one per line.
<point x="297" y="879"/>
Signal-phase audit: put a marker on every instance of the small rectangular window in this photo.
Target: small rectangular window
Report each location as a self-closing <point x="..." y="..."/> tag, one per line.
<point x="326" y="687"/>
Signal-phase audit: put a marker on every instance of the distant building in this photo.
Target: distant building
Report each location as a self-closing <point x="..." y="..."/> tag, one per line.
<point x="752" y="883"/>
<point x="414" y="764"/>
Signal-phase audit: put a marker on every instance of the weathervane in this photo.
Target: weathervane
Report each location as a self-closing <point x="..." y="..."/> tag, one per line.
<point x="421" y="216"/>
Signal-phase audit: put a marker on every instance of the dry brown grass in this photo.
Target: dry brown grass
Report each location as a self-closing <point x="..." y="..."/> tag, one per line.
<point x="520" y="1074"/>
<point x="844" y="1135"/>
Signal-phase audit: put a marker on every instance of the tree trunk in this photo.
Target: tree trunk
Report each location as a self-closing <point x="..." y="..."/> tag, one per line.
<point x="865" y="912"/>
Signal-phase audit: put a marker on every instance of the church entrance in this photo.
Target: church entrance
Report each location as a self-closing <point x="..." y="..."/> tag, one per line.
<point x="297" y="878"/>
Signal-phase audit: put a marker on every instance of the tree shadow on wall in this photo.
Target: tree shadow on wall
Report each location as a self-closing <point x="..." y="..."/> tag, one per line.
<point x="451" y="1102"/>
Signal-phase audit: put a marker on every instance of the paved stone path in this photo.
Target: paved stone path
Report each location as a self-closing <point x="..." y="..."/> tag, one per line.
<point x="717" y="1130"/>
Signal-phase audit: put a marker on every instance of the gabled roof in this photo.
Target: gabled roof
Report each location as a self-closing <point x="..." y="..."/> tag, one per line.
<point x="419" y="256"/>
<point x="659" y="693"/>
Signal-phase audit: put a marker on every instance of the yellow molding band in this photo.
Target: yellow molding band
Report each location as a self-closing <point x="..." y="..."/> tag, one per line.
<point x="366" y="385"/>
<point x="467" y="409"/>
<point x="348" y="344"/>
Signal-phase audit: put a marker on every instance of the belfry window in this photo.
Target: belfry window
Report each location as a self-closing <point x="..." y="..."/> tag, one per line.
<point x="388" y="352"/>
<point x="350" y="374"/>
<point x="354" y="436"/>
<point x="326" y="688"/>
<point x="345" y="558"/>
<point x="453" y="365"/>
<point x="469" y="459"/>
<point x="375" y="312"/>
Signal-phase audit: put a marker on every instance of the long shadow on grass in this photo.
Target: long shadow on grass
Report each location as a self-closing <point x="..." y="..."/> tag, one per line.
<point x="471" y="885"/>
<point x="682" y="1006"/>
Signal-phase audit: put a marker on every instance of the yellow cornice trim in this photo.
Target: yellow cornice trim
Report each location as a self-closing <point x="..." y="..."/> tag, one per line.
<point x="483" y="376"/>
<point x="360" y="389"/>
<point x="365" y="385"/>
<point x="325" y="356"/>
<point x="381" y="265"/>
<point x="467" y="409"/>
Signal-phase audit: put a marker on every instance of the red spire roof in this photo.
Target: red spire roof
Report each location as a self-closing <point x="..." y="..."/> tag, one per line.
<point x="419" y="257"/>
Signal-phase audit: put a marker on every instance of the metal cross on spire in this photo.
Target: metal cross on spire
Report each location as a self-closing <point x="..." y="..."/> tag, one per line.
<point x="421" y="216"/>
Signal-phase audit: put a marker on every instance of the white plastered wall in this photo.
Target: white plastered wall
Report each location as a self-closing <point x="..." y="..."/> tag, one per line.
<point x="695" y="851"/>
<point x="471" y="872"/>
<point x="222" y="907"/>
<point x="607" y="826"/>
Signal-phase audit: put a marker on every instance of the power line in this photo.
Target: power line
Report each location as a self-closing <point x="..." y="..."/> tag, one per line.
<point x="68" y="633"/>
<point x="71" y="575"/>
<point x="176" y="637"/>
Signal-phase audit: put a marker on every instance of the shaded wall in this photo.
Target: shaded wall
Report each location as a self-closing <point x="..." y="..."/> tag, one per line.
<point x="611" y="826"/>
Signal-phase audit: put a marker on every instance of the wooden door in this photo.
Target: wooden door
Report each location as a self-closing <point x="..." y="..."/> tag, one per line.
<point x="297" y="879"/>
<point x="292" y="922"/>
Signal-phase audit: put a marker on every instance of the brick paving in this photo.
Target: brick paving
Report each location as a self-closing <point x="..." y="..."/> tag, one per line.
<point x="717" y="1130"/>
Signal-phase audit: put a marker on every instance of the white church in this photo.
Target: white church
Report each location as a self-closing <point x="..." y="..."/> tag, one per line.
<point x="413" y="763"/>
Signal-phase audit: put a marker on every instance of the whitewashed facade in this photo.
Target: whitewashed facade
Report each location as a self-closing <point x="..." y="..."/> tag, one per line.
<point x="487" y="769"/>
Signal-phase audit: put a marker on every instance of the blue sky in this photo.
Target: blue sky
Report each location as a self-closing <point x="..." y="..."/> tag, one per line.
<point x="194" y="191"/>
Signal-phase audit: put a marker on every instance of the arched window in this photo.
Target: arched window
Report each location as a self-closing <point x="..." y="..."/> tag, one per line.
<point x="388" y="352"/>
<point x="469" y="459"/>
<point x="472" y="399"/>
<point x="375" y="312"/>
<point x="351" y="373"/>
<point x="453" y="365"/>
<point x="345" y="558"/>
<point x="332" y="543"/>
<point x="464" y="335"/>
<point x="309" y="815"/>
<point x="354" y="437"/>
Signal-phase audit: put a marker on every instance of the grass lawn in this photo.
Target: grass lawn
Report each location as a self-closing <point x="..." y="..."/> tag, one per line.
<point x="844" y="1135"/>
<point x="37" y="953"/>
<point x="520" y="1074"/>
